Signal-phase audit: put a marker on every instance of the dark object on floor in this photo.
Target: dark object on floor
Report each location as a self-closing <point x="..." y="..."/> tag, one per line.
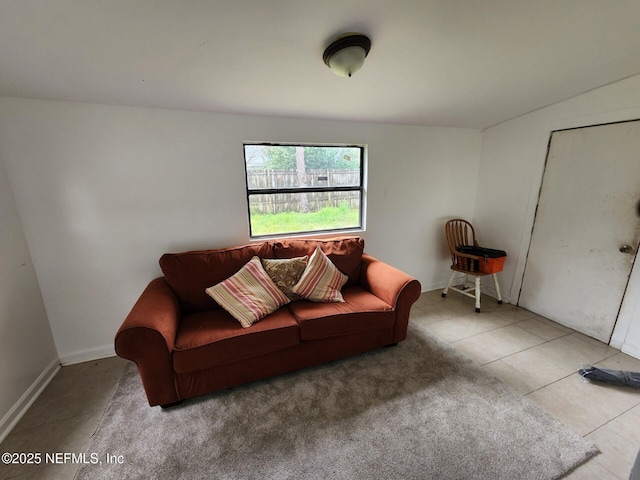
<point x="635" y="471"/>
<point x="618" y="377"/>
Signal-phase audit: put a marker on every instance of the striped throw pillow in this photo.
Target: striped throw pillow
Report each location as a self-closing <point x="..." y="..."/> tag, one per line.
<point x="249" y="294"/>
<point x="321" y="280"/>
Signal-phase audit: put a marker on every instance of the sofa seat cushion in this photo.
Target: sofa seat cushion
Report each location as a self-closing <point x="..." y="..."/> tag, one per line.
<point x="361" y="311"/>
<point x="214" y="337"/>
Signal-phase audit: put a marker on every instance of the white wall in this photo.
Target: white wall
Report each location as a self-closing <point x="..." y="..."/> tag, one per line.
<point x="511" y="171"/>
<point x="28" y="358"/>
<point x="103" y="191"/>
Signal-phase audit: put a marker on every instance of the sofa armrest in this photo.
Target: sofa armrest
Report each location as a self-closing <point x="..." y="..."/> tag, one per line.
<point x="394" y="287"/>
<point x="147" y="337"/>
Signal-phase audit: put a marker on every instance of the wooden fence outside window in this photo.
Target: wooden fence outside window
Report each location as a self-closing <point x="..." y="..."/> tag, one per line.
<point x="272" y="203"/>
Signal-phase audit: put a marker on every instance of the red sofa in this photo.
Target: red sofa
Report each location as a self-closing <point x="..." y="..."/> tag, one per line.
<point x="185" y="345"/>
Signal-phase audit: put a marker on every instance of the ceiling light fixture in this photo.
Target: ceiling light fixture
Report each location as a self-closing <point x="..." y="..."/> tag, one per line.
<point x="346" y="54"/>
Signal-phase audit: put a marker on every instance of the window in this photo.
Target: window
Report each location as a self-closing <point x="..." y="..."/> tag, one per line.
<point x="303" y="188"/>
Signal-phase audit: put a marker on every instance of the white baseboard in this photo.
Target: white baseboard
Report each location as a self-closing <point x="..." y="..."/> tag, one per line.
<point x="630" y="350"/>
<point x="439" y="285"/>
<point x="88" y="355"/>
<point x="18" y="410"/>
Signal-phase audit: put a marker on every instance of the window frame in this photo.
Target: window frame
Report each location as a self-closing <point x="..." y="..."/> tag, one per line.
<point x="274" y="191"/>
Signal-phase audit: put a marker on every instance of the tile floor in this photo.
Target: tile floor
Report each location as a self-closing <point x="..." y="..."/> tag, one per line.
<point x="63" y="418"/>
<point x="536" y="356"/>
<point x="539" y="359"/>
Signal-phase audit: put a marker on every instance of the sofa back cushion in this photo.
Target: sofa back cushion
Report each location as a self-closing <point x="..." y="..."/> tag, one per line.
<point x="344" y="252"/>
<point x="190" y="273"/>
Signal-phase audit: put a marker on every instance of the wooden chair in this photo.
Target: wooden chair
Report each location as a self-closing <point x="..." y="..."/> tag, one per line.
<point x="460" y="232"/>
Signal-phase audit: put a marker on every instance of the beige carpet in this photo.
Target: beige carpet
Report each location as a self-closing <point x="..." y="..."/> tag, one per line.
<point x="419" y="410"/>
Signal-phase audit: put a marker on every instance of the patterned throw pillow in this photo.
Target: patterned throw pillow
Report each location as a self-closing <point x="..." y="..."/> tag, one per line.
<point x="285" y="273"/>
<point x="248" y="295"/>
<point x="321" y="280"/>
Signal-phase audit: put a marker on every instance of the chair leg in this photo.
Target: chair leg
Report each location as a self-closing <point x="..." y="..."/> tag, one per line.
<point x="497" y="286"/>
<point x="464" y="281"/>
<point x="477" y="292"/>
<point x="444" y="292"/>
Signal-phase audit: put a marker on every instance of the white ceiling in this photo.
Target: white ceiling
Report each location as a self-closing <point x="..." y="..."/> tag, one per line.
<point x="462" y="63"/>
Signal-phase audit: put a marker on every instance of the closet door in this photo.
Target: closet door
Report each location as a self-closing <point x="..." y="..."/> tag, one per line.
<point x="586" y="231"/>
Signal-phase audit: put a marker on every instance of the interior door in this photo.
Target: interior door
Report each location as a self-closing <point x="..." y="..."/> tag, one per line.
<point x="586" y="231"/>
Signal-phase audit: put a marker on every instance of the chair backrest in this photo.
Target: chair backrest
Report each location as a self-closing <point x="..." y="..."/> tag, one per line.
<point x="460" y="232"/>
